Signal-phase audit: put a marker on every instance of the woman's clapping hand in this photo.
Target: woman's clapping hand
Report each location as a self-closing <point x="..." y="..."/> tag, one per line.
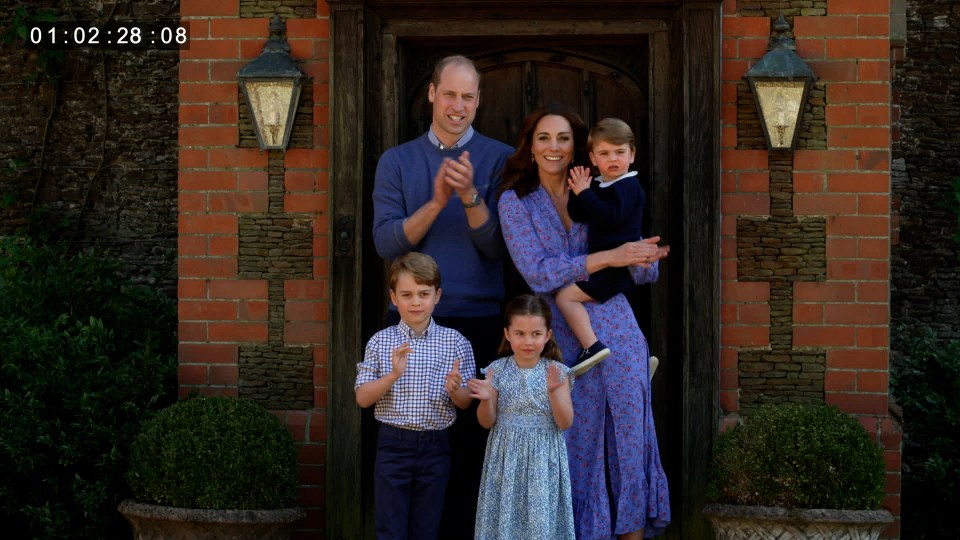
<point x="641" y="253"/>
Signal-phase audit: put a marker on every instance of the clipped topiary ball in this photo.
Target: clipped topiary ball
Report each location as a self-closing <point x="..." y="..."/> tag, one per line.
<point x="214" y="453"/>
<point x="798" y="456"/>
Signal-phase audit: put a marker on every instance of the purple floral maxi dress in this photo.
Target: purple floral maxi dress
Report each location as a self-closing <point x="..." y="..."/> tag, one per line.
<point x="613" y="441"/>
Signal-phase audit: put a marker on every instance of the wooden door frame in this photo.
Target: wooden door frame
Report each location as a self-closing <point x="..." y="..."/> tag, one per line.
<point x="686" y="45"/>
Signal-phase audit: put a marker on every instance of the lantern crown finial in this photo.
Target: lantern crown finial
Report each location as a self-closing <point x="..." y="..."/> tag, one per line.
<point x="278" y="37"/>
<point x="781" y="25"/>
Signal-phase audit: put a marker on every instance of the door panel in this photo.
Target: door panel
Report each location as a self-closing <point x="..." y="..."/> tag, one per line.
<point x="502" y="107"/>
<point x="558" y="83"/>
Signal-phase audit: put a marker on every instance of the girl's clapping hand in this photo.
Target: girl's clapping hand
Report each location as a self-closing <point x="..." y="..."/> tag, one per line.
<point x="482" y="389"/>
<point x="553" y="378"/>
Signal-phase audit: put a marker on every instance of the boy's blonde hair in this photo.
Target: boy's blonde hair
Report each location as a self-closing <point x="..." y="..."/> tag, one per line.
<point x="613" y="131"/>
<point x="419" y="265"/>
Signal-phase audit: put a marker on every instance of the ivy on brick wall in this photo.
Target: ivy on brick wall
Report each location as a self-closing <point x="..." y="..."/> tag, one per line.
<point x="48" y="62"/>
<point x="94" y="146"/>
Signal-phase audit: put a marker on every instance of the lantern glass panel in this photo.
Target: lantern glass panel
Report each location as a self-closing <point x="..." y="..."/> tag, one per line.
<point x="270" y="103"/>
<point x="780" y="104"/>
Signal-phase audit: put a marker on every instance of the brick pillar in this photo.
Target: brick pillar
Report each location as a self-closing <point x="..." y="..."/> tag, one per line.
<point x="253" y="230"/>
<point x="784" y="311"/>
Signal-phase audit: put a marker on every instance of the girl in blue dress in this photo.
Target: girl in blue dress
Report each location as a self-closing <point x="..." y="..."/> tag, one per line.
<point x="525" y="400"/>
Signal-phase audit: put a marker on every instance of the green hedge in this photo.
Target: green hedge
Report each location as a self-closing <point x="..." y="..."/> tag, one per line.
<point x="927" y="385"/>
<point x="85" y="357"/>
<point x="215" y="453"/>
<point x="798" y="456"/>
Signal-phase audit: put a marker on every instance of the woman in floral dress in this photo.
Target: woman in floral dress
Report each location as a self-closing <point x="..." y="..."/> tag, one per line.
<point x="619" y="487"/>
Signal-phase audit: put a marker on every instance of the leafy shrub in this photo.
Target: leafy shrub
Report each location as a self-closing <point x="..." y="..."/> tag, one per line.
<point x="215" y="453"/>
<point x="84" y="357"/>
<point x="926" y="385"/>
<point x="798" y="456"/>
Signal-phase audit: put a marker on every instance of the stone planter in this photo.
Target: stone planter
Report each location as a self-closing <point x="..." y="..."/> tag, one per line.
<point x="153" y="522"/>
<point x="772" y="523"/>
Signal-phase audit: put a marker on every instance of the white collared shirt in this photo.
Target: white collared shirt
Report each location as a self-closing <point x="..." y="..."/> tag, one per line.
<point x="463" y="140"/>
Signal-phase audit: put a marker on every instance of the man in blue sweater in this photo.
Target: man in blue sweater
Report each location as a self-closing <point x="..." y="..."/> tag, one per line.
<point x="437" y="194"/>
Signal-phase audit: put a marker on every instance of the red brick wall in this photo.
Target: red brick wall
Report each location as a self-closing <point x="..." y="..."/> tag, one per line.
<point x="846" y="315"/>
<point x="219" y="182"/>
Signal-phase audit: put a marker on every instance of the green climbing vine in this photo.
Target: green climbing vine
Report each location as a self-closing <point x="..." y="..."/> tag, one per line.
<point x="49" y="62"/>
<point x="49" y="72"/>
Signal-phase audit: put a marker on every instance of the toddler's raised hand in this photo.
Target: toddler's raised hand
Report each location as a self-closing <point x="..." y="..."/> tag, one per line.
<point x="482" y="389"/>
<point x="553" y="378"/>
<point x="454" y="379"/>
<point x="579" y="179"/>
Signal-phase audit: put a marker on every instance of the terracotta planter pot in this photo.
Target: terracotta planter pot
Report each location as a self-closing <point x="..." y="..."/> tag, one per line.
<point x="153" y="522"/>
<point x="773" y="523"/>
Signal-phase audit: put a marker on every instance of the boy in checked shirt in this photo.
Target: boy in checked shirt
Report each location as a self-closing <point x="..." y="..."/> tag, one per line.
<point x="411" y="374"/>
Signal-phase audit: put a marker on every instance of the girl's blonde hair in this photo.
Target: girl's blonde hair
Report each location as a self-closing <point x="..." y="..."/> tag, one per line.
<point x="530" y="304"/>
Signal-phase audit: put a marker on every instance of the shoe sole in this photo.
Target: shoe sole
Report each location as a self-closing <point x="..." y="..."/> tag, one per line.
<point x="585" y="366"/>
<point x="654" y="362"/>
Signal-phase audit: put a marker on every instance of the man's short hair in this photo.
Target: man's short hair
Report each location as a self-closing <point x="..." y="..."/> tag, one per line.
<point x="419" y="265"/>
<point x="455" y="59"/>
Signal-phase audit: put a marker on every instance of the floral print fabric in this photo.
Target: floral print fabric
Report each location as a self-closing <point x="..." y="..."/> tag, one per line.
<point x="525" y="488"/>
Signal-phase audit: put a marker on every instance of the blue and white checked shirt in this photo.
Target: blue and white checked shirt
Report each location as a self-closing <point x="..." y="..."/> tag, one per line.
<point x="417" y="400"/>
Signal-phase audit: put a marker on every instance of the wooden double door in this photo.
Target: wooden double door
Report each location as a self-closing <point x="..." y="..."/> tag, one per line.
<point x="600" y="66"/>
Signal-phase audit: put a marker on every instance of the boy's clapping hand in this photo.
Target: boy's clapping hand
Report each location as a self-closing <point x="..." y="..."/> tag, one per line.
<point x="399" y="359"/>
<point x="454" y="379"/>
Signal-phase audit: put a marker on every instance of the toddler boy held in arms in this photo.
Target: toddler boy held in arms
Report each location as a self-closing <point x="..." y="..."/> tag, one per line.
<point x="411" y="374"/>
<point x="612" y="206"/>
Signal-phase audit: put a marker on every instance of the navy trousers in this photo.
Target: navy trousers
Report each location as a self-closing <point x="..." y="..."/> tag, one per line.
<point x="410" y="479"/>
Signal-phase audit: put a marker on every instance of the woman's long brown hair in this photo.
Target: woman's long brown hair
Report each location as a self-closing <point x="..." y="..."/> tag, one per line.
<point x="519" y="172"/>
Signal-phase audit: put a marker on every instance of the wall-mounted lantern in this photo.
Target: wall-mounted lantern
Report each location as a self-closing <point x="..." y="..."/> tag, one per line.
<point x="780" y="83"/>
<point x="271" y="86"/>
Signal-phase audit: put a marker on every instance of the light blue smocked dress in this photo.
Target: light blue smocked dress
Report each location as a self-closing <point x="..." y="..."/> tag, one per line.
<point x="525" y="487"/>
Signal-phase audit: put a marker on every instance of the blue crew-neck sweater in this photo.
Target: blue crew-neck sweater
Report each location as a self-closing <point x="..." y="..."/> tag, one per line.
<point x="470" y="260"/>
